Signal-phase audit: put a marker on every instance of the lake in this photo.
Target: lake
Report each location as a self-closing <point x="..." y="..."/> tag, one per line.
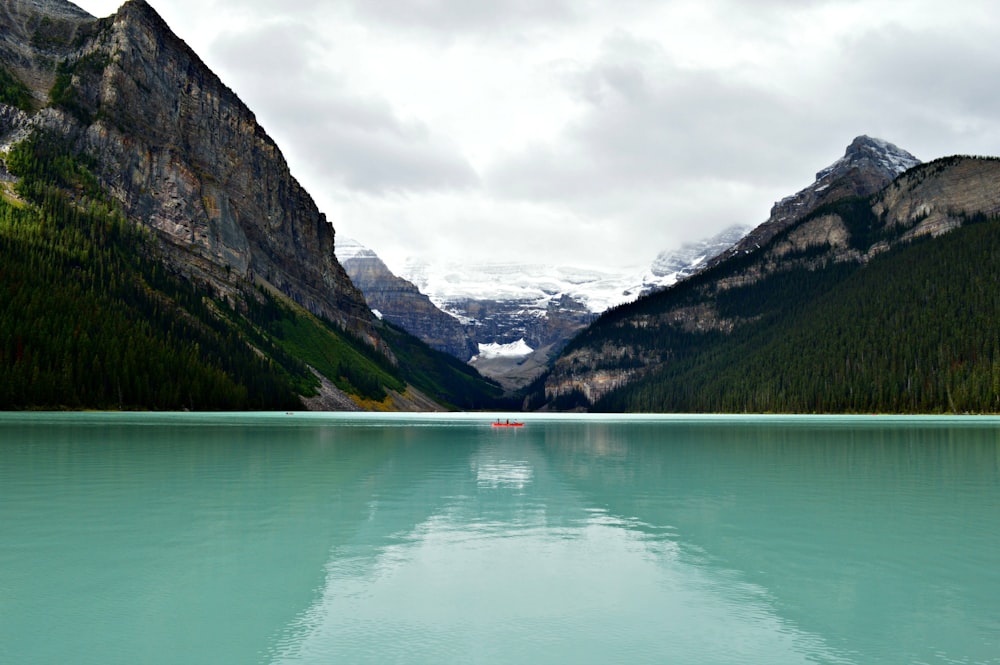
<point x="326" y="538"/>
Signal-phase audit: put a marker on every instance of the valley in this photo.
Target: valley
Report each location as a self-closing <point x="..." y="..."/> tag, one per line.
<point x="157" y="253"/>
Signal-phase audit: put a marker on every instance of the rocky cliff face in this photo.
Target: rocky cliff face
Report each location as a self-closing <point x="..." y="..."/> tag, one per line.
<point x="179" y="151"/>
<point x="401" y="303"/>
<point x="868" y="165"/>
<point x="499" y="321"/>
<point x="940" y="196"/>
<point x="36" y="35"/>
<point x="823" y="225"/>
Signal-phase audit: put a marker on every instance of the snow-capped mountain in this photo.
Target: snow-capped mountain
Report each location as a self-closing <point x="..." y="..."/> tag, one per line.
<point x="540" y="288"/>
<point x="673" y="265"/>
<point x="399" y="301"/>
<point x="504" y="304"/>
<point x="533" y="285"/>
<point x="877" y="154"/>
<point x="507" y="319"/>
<point x="868" y="165"/>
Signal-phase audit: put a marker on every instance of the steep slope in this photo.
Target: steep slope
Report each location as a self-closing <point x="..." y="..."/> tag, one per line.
<point x="400" y="302"/>
<point x="721" y="327"/>
<point x="670" y="266"/>
<point x="868" y="165"/>
<point x="135" y="174"/>
<point x="183" y="155"/>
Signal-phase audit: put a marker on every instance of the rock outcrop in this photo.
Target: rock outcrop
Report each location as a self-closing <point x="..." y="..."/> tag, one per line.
<point x="940" y="196"/>
<point x="179" y="151"/>
<point x="402" y="303"/>
<point x="868" y="165"/>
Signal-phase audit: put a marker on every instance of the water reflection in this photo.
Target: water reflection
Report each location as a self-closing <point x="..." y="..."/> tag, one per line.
<point x="492" y="473"/>
<point x="865" y="534"/>
<point x="440" y="541"/>
<point x="518" y="562"/>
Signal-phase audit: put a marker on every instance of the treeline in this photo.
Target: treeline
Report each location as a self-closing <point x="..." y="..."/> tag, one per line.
<point x="913" y="331"/>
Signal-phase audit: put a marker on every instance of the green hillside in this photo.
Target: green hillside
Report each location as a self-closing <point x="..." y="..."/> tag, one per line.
<point x="89" y="317"/>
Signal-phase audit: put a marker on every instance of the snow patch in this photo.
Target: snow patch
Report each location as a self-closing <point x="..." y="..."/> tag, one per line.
<point x="541" y="287"/>
<point x="517" y="349"/>
<point x="349" y="248"/>
<point x="447" y="285"/>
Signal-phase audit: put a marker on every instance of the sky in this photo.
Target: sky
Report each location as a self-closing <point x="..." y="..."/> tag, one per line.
<point x="586" y="132"/>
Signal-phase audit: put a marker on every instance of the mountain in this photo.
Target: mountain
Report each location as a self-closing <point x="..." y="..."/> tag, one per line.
<point x="402" y="303"/>
<point x="670" y="266"/>
<point x="136" y="179"/>
<point x="183" y="154"/>
<point x="532" y="310"/>
<point x="486" y="321"/>
<point x="509" y="319"/>
<point x="867" y="166"/>
<point x="871" y="290"/>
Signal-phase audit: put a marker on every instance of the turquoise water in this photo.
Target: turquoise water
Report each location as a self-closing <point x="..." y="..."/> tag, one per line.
<point x="139" y="538"/>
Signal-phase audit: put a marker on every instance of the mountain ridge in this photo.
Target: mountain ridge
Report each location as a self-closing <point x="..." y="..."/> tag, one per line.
<point x="509" y="319"/>
<point x="867" y="166"/>
<point x="661" y="351"/>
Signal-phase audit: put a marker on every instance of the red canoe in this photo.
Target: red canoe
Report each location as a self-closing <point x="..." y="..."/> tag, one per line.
<point x="507" y="424"/>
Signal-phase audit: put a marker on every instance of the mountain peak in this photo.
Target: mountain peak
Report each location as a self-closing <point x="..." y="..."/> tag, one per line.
<point x="872" y="155"/>
<point x="868" y="165"/>
<point x="141" y="8"/>
<point x="349" y="248"/>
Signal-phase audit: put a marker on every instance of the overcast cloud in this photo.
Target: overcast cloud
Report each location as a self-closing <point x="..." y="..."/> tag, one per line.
<point x="587" y="132"/>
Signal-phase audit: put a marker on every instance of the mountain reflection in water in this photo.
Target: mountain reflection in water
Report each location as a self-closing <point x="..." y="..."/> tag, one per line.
<point x="439" y="540"/>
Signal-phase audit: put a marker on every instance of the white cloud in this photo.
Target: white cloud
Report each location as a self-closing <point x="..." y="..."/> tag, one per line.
<point x="458" y="17"/>
<point x="592" y="132"/>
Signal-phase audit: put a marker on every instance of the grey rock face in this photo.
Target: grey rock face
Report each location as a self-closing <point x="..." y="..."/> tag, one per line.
<point x="184" y="156"/>
<point x="401" y="303"/>
<point x="867" y="166"/>
<point x="940" y="196"/>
